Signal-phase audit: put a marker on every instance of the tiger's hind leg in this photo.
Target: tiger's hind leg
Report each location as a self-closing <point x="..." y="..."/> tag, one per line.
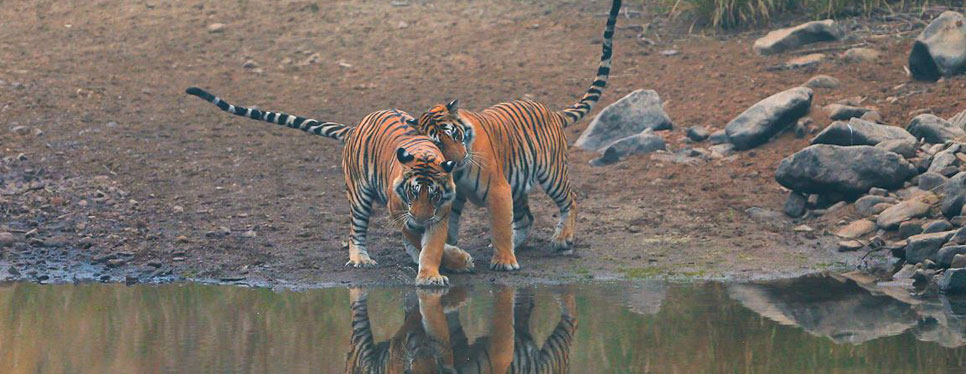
<point x="360" y="211"/>
<point x="522" y="220"/>
<point x="557" y="186"/>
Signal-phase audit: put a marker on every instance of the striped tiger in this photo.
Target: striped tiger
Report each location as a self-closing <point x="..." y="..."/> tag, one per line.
<point x="432" y="340"/>
<point x="515" y="145"/>
<point x="386" y="161"/>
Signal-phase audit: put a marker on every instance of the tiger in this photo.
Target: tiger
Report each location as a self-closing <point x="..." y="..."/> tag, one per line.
<point x="432" y="340"/>
<point x="386" y="161"/>
<point x="515" y="145"/>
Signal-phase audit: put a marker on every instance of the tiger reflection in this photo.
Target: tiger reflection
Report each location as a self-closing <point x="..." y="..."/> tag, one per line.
<point x="431" y="338"/>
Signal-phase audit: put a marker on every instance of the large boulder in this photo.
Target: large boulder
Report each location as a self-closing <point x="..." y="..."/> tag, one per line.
<point x="954" y="195"/>
<point x="632" y="114"/>
<point x="639" y="144"/>
<point x="940" y="50"/>
<point x="766" y="118"/>
<point x="782" y="40"/>
<point x="853" y="170"/>
<point x="860" y="132"/>
<point x="933" y="129"/>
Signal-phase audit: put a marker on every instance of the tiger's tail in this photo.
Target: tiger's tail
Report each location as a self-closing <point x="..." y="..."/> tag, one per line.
<point x="577" y="111"/>
<point x="332" y="130"/>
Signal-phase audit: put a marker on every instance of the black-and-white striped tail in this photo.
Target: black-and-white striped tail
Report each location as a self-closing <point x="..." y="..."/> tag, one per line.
<point x="577" y="111"/>
<point x="332" y="130"/>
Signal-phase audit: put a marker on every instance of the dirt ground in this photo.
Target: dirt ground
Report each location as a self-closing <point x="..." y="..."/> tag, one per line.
<point x="130" y="173"/>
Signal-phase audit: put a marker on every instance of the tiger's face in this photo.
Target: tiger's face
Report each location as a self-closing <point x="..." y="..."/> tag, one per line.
<point x="425" y="186"/>
<point x="449" y="131"/>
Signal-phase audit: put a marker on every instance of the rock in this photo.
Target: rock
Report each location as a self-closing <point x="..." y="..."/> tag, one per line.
<point x="821" y="169"/>
<point x="643" y="143"/>
<point x="630" y="115"/>
<point x="249" y="234"/>
<point x="609" y="157"/>
<point x="20" y="130"/>
<point x="953" y="281"/>
<point x="250" y="64"/>
<point x="795" y="204"/>
<point x="850" y="245"/>
<point x="768" y="117"/>
<point x="221" y="232"/>
<point x="876" y="191"/>
<point x="725" y="150"/>
<point x="841" y="112"/>
<point x="7" y="239"/>
<point x="864" y="204"/>
<point x="939" y="225"/>
<point x="910" y="228"/>
<point x="860" y="55"/>
<point x="904" y="147"/>
<point x="943" y="160"/>
<point x="766" y="216"/>
<point x="856" y="229"/>
<point x="954" y="195"/>
<point x="805" y="61"/>
<point x="803" y="228"/>
<point x="719" y="137"/>
<point x="901" y="212"/>
<point x="959" y="120"/>
<point x="697" y="133"/>
<point x="959" y="261"/>
<point x="860" y="132"/>
<point x="823" y="81"/>
<point x="215" y="28"/>
<point x="872" y="116"/>
<point x="940" y="50"/>
<point x="13" y="271"/>
<point x="945" y="255"/>
<point x="958" y="221"/>
<point x="924" y="246"/>
<point x="782" y="40"/>
<point x="879" y="208"/>
<point x="934" y="129"/>
<point x="905" y="273"/>
<point x="930" y="181"/>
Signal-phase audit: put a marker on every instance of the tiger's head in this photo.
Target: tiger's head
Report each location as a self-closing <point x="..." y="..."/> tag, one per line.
<point x="450" y="131"/>
<point x="425" y="186"/>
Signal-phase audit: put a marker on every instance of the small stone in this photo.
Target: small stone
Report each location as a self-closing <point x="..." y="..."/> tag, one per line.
<point x="909" y="228"/>
<point x="719" y="137"/>
<point x="697" y="133"/>
<point x="13" y="271"/>
<point x="803" y="228"/>
<point x="944" y="258"/>
<point x="250" y="64"/>
<point x="177" y="209"/>
<point x="7" y="239"/>
<point x="872" y="116"/>
<point x="850" y="245"/>
<point x="865" y="204"/>
<point x="221" y="232"/>
<point x="215" y="28"/>
<point x="795" y="204"/>
<point x="931" y="181"/>
<point x="959" y="261"/>
<point x="860" y="55"/>
<point x="876" y="191"/>
<point x="953" y="281"/>
<point x="805" y="61"/>
<point x="839" y="112"/>
<point x="823" y="81"/>
<point x="906" y="210"/>
<point x="925" y="246"/>
<point x="249" y="234"/>
<point x="724" y="149"/>
<point x="20" y="130"/>
<point x="82" y="203"/>
<point x="958" y="221"/>
<point x="856" y="229"/>
<point x="937" y="226"/>
<point x="181" y="239"/>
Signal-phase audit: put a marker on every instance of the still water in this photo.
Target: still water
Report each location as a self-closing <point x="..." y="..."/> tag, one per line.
<point x="818" y="324"/>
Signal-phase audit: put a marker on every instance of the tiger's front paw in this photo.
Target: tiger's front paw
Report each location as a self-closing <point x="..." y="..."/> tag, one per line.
<point x="508" y="263"/>
<point x="361" y="260"/>
<point x="457" y="260"/>
<point x="432" y="280"/>
<point x="562" y="247"/>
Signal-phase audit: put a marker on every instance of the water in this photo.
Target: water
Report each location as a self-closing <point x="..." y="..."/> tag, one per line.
<point x="817" y="324"/>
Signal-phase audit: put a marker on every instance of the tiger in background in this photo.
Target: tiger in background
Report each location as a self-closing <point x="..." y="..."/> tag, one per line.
<point x="432" y="340"/>
<point x="386" y="161"/>
<point x="515" y="145"/>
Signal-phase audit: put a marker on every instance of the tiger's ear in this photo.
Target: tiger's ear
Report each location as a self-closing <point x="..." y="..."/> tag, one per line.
<point x="404" y="156"/>
<point x="448" y="166"/>
<point x="453" y="106"/>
